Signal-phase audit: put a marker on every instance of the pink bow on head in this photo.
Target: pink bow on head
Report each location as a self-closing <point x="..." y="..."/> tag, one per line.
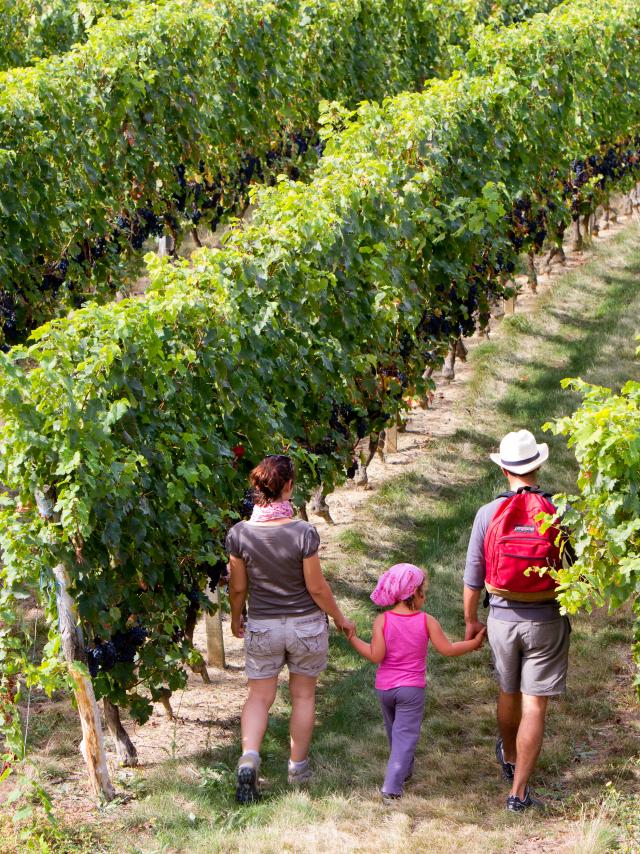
<point x="398" y="583"/>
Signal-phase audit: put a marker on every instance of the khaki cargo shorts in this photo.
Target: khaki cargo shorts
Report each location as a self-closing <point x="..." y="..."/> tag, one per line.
<point x="530" y="656"/>
<point x="301" y="643"/>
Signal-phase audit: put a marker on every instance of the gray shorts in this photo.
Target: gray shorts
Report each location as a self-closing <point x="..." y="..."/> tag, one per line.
<point x="301" y="643"/>
<point x="530" y="656"/>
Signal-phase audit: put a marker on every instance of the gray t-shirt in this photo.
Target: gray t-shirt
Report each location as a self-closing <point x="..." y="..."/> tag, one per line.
<point x="273" y="555"/>
<point x="475" y="571"/>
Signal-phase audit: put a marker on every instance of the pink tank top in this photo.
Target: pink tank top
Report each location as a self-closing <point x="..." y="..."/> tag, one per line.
<point x="404" y="665"/>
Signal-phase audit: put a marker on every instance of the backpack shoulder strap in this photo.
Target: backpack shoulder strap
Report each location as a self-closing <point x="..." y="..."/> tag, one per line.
<point x="534" y="490"/>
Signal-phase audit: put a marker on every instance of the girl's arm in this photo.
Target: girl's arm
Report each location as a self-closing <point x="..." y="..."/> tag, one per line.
<point x="377" y="649"/>
<point x="444" y="645"/>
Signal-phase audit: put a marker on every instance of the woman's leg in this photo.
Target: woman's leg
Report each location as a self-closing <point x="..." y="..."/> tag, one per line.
<point x="303" y="714"/>
<point x="255" y="714"/>
<point x="409" y="709"/>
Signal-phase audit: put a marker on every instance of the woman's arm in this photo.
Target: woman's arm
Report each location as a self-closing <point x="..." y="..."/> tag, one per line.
<point x="377" y="649"/>
<point x="238" y="587"/>
<point x="320" y="592"/>
<point x="444" y="645"/>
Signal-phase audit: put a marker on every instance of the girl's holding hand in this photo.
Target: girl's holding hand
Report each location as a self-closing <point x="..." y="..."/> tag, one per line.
<point x="398" y="646"/>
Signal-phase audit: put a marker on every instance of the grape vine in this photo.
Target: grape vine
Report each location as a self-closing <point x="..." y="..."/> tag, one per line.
<point x="127" y="431"/>
<point x="133" y="134"/>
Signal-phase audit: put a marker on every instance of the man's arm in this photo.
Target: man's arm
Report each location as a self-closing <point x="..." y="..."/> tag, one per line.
<point x="471" y="600"/>
<point x="474" y="573"/>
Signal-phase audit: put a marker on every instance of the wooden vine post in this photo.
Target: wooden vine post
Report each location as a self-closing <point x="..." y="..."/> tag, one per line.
<point x="92" y="744"/>
<point x="510" y="306"/>
<point x="391" y="439"/>
<point x="213" y="626"/>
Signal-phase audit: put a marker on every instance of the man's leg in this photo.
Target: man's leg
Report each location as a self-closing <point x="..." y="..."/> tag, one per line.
<point x="506" y="649"/>
<point x="529" y="741"/>
<point x="544" y="673"/>
<point x="509" y="716"/>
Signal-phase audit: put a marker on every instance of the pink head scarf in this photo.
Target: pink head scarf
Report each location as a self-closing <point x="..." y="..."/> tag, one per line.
<point x="399" y="582"/>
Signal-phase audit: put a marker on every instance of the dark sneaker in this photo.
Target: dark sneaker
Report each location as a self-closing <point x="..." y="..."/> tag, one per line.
<point x="508" y="768"/>
<point x="388" y="798"/>
<point x="516" y="804"/>
<point x="247" y="780"/>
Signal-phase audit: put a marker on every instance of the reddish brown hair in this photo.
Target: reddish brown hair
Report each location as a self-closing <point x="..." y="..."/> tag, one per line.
<point x="270" y="477"/>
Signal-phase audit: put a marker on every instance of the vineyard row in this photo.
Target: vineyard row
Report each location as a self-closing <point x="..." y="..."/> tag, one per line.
<point x="36" y="29"/>
<point x="163" y="119"/>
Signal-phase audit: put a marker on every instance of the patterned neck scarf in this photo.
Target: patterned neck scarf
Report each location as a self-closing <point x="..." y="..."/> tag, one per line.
<point x="275" y="510"/>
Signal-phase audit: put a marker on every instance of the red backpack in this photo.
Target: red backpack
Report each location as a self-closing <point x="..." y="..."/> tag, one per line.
<point x="514" y="542"/>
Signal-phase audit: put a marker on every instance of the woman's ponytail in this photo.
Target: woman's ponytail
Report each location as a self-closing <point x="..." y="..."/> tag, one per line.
<point x="270" y="477"/>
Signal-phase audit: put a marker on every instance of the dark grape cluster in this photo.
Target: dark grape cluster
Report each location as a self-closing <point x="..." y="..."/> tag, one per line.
<point x="215" y="572"/>
<point x="526" y="224"/>
<point x="342" y="416"/>
<point x="325" y="447"/>
<point x="605" y="168"/>
<point x="352" y="469"/>
<point x="246" y="505"/>
<point x="503" y="265"/>
<point x="407" y="345"/>
<point x="193" y="594"/>
<point x="362" y="428"/>
<point x="102" y="656"/>
<point x="137" y="227"/>
<point x="122" y="647"/>
<point x="195" y="201"/>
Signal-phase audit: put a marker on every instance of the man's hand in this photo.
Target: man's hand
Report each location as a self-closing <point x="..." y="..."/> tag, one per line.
<point x="474" y="629"/>
<point x="237" y="627"/>
<point x="480" y="636"/>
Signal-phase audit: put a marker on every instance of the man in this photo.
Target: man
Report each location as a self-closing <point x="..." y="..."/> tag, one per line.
<point x="529" y="638"/>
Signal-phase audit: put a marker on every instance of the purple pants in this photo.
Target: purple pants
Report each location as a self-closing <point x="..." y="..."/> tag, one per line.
<point x="402" y="710"/>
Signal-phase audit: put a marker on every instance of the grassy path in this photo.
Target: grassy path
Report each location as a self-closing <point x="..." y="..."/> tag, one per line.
<point x="584" y="326"/>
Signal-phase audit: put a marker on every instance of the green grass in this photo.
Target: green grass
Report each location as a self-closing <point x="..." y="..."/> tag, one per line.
<point x="585" y="326"/>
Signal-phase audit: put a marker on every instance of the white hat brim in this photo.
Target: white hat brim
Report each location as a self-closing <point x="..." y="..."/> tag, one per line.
<point x="543" y="456"/>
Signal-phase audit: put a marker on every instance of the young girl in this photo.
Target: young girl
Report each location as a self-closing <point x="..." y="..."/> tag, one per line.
<point x="399" y="648"/>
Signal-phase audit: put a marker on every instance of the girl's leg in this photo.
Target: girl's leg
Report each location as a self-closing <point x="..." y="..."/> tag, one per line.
<point x="388" y="706"/>
<point x="406" y="732"/>
<point x="303" y="714"/>
<point x="255" y="714"/>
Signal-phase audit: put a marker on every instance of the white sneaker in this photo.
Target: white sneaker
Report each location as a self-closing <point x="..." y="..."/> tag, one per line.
<point x="299" y="772"/>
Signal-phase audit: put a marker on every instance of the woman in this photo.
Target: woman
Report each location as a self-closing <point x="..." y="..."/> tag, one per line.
<point x="274" y="558"/>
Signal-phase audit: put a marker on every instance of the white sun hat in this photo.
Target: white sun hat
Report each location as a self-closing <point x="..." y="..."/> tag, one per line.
<point x="520" y="453"/>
